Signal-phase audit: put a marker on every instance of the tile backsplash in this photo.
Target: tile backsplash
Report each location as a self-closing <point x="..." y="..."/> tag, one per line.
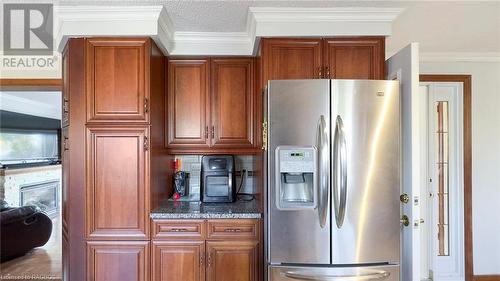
<point x="192" y="165"/>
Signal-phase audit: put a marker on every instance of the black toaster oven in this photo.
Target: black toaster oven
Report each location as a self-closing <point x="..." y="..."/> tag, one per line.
<point x="217" y="178"/>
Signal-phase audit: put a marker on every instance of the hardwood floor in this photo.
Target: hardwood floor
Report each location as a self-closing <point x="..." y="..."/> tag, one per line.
<point x="43" y="263"/>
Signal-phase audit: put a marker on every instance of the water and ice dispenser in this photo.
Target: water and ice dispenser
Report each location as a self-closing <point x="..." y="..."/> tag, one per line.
<point x="296" y="178"/>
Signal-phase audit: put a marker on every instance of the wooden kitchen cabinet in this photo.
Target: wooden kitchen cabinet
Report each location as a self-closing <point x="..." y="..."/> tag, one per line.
<point x="292" y="58"/>
<point x="178" y="260"/>
<point x="123" y="261"/>
<point x="233" y="101"/>
<point x="117" y="197"/>
<point x="212" y="250"/>
<point x="339" y="58"/>
<point x="188" y="103"/>
<point x="211" y="105"/>
<point x="232" y="260"/>
<point x="117" y="79"/>
<point x="354" y="58"/>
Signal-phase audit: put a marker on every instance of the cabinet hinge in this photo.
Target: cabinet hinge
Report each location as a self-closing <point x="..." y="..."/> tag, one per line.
<point x="146" y="105"/>
<point x="66" y="105"/>
<point x="146" y="143"/>
<point x="264" y="135"/>
<point x="66" y="143"/>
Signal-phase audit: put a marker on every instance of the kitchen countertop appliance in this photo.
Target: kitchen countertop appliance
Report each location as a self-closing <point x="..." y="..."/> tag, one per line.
<point x="218" y="178"/>
<point x="333" y="180"/>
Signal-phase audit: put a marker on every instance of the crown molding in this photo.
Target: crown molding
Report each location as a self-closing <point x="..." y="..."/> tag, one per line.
<point x="79" y="21"/>
<point x="460" y="57"/>
<point x="154" y="21"/>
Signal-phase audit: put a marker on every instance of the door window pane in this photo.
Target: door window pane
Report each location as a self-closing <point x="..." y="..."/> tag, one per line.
<point x="442" y="145"/>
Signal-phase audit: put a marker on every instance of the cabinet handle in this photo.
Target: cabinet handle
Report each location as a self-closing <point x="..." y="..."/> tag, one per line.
<point x="146" y="143"/>
<point x="201" y="260"/>
<point x="327" y="72"/>
<point x="206" y="132"/>
<point x="232" y="230"/>
<point x="209" y="262"/>
<point x="66" y="105"/>
<point x="179" y="229"/>
<point x="213" y="132"/>
<point x="146" y="105"/>
<point x="264" y="135"/>
<point x="319" y="73"/>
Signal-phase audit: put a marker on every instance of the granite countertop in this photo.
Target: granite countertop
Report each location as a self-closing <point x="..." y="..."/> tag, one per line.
<point x="197" y="210"/>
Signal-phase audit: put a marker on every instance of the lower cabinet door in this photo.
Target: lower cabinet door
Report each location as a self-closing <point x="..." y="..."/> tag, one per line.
<point x="178" y="261"/>
<point x="232" y="260"/>
<point x="118" y="260"/>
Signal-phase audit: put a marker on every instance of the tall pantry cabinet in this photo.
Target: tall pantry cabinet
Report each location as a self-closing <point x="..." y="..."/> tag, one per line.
<point x="113" y="155"/>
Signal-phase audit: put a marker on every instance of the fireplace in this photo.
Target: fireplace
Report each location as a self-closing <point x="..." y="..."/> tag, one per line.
<point x="43" y="195"/>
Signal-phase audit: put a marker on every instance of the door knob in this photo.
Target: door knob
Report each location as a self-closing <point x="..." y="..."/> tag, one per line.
<point x="405" y="220"/>
<point x="404" y="198"/>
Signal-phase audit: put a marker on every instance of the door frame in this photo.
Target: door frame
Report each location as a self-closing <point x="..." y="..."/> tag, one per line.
<point x="467" y="143"/>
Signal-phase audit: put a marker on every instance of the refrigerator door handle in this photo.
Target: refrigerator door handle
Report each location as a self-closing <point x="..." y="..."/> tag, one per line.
<point x="323" y="174"/>
<point x="382" y="275"/>
<point x="340" y="167"/>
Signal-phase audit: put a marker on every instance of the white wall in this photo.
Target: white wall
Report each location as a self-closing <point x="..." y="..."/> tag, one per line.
<point x="485" y="157"/>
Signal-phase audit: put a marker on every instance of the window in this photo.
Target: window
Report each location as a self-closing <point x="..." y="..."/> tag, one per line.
<point x="23" y="146"/>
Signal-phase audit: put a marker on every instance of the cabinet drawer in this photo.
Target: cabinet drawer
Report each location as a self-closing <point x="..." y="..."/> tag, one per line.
<point x="237" y="229"/>
<point x="178" y="229"/>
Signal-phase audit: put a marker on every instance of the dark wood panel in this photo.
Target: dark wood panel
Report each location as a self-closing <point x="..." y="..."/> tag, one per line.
<point x="117" y="192"/>
<point x="31" y="84"/>
<point x="76" y="183"/>
<point x="65" y="88"/>
<point x="188" y="103"/>
<point x="232" y="101"/>
<point x="354" y="58"/>
<point x="467" y="141"/>
<point x="117" y="70"/>
<point x="291" y="59"/>
<point x="178" y="261"/>
<point x="113" y="261"/>
<point x="178" y="229"/>
<point x="65" y="179"/>
<point x="235" y="260"/>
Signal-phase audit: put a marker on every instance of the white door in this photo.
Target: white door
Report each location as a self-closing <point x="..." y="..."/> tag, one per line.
<point x="403" y="66"/>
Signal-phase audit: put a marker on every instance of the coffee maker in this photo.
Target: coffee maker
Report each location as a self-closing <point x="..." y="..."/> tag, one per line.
<point x="218" y="179"/>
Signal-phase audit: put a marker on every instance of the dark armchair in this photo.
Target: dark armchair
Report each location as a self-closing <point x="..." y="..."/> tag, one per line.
<point x="22" y="229"/>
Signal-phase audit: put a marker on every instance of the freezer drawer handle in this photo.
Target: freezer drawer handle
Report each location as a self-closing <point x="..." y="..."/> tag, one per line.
<point x="379" y="275"/>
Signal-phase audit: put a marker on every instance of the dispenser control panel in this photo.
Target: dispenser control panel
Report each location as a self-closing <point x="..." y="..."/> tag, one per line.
<point x="296" y="184"/>
<point x="297" y="160"/>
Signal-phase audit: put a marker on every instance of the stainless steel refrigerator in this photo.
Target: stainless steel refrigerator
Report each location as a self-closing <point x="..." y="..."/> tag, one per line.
<point x="333" y="180"/>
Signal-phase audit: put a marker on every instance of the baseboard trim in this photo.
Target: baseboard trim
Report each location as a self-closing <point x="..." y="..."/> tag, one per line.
<point x="486" y="277"/>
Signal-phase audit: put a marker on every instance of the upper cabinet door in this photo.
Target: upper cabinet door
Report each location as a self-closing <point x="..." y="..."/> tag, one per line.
<point x="354" y="58"/>
<point x="117" y="75"/>
<point x="188" y="103"/>
<point x="291" y="59"/>
<point x="117" y="185"/>
<point x="233" y="102"/>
